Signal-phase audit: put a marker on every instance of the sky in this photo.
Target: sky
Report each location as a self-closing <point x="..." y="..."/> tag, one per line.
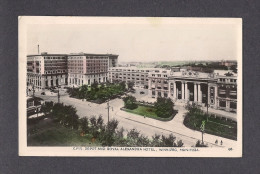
<point x="138" y="42"/>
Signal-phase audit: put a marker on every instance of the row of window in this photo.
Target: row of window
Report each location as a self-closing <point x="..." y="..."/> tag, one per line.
<point x="55" y="58"/>
<point x="159" y="75"/>
<point x="159" y="81"/>
<point x="227" y="80"/>
<point x="130" y="70"/>
<point x="53" y="72"/>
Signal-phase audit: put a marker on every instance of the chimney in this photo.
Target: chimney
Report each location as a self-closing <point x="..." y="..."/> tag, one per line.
<point x="38" y="49"/>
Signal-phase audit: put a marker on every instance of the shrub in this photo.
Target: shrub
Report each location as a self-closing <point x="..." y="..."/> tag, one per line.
<point x="199" y="144"/>
<point x="164" y="107"/>
<point x="130" y="102"/>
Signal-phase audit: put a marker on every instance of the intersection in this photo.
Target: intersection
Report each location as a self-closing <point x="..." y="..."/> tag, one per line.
<point x="145" y="125"/>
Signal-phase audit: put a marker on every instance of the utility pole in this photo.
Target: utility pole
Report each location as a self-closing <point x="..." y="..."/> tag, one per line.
<point x="33" y="90"/>
<point x="202" y="128"/>
<point x="108" y="107"/>
<point x="207" y="100"/>
<point x="58" y="95"/>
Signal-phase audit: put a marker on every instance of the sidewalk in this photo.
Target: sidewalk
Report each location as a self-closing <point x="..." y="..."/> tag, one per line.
<point x="225" y="114"/>
<point x="177" y="128"/>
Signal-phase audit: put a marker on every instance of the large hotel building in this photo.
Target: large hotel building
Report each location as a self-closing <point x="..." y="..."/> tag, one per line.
<point x="218" y="89"/>
<point x="51" y="70"/>
<point x="47" y="70"/>
<point x="89" y="68"/>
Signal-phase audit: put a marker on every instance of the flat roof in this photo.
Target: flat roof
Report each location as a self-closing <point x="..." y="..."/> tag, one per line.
<point x="72" y="54"/>
<point x="90" y="54"/>
<point x="46" y="55"/>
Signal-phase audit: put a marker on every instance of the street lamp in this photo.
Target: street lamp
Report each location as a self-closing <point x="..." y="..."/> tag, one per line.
<point x="202" y="128"/>
<point x="58" y="94"/>
<point x="108" y="107"/>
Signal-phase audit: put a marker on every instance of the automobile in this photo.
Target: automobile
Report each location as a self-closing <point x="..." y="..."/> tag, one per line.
<point x="43" y="93"/>
<point x="142" y="92"/>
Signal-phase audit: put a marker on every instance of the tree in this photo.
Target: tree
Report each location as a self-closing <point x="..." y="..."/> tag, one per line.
<point x="130" y="102"/>
<point x="156" y="141"/>
<point x="94" y="86"/>
<point x="65" y="115"/>
<point x="168" y="141"/>
<point x="130" y="85"/>
<point x="234" y="68"/>
<point x="164" y="107"/>
<point x="132" y="137"/>
<point x="47" y="107"/>
<point x="193" y="108"/>
<point x="108" y="135"/>
<point x="84" y="125"/>
<point x="199" y="144"/>
<point x="122" y="85"/>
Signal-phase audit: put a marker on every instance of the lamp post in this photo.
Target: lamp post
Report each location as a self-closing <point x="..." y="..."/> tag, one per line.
<point x="58" y="94"/>
<point x="108" y="107"/>
<point x="202" y="128"/>
<point x="207" y="100"/>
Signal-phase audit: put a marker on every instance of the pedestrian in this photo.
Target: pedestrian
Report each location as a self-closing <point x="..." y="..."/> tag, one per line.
<point x="221" y="142"/>
<point x="216" y="142"/>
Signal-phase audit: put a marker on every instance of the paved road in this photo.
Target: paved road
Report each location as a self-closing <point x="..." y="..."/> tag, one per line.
<point x="146" y="126"/>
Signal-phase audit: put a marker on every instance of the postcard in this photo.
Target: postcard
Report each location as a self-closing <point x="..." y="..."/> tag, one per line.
<point x="130" y="86"/>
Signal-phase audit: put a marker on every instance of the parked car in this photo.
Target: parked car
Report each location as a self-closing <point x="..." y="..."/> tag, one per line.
<point x="43" y="93"/>
<point x="142" y="92"/>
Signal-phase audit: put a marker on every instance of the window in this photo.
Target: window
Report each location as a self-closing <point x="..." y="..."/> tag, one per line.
<point x="233" y="105"/>
<point x="222" y="103"/>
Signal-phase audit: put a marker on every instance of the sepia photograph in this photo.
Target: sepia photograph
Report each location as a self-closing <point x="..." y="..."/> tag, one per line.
<point x="130" y="86"/>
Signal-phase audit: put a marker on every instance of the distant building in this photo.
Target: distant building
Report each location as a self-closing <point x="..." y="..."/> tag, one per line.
<point x="34" y="105"/>
<point x="218" y="89"/>
<point x="46" y="70"/>
<point x="131" y="74"/>
<point x="227" y="90"/>
<point x="85" y="69"/>
<point x="228" y="63"/>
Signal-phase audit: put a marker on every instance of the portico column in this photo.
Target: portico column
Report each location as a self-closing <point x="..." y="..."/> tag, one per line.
<point x="215" y="96"/>
<point x="199" y="94"/>
<point x="169" y="89"/>
<point x="195" y="93"/>
<point x="182" y="90"/>
<point x="186" y="92"/>
<point x="227" y="105"/>
<point x="174" y="90"/>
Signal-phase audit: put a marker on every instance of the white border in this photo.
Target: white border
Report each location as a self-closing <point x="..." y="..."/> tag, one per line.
<point x="24" y="21"/>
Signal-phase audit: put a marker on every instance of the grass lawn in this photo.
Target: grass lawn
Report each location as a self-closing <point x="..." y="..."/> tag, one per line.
<point x="216" y="126"/>
<point x="148" y="111"/>
<point x="53" y="134"/>
<point x="144" y="111"/>
<point x="99" y="94"/>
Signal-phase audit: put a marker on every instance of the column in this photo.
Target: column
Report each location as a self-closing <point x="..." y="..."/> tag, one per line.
<point x="208" y="94"/>
<point x="227" y="105"/>
<point x="186" y="92"/>
<point x="182" y="90"/>
<point x="215" y="96"/>
<point x="199" y="94"/>
<point x="174" y="90"/>
<point x="169" y="89"/>
<point x="195" y="93"/>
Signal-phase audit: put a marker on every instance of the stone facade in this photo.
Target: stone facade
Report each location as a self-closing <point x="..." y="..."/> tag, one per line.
<point x="85" y="69"/>
<point x="46" y="70"/>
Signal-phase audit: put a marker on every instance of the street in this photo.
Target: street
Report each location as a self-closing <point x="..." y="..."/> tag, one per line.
<point x="146" y="126"/>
